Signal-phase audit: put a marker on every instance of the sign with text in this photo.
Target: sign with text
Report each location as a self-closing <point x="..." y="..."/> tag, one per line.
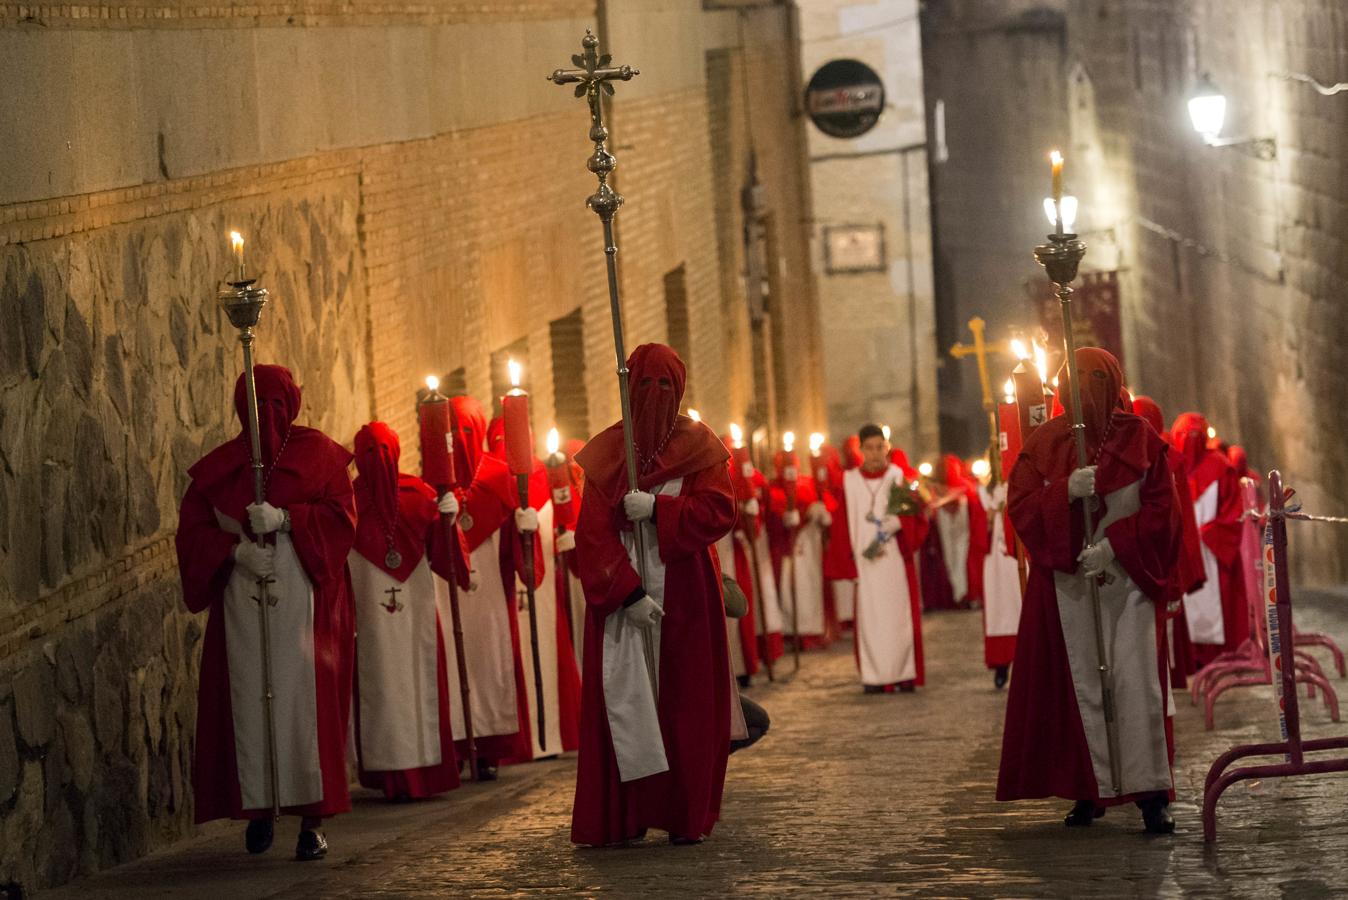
<point x="844" y="99"/>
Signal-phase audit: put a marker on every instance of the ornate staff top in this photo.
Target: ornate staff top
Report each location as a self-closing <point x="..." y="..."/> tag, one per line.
<point x="593" y="79"/>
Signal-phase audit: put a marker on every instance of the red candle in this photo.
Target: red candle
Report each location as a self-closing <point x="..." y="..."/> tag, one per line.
<point x="437" y="441"/>
<point x="1030" y="398"/>
<point x="1008" y="418"/>
<point x="564" y="511"/>
<point x="515" y="411"/>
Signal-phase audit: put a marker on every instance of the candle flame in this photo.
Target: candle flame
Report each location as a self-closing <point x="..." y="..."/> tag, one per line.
<point x="789" y="441"/>
<point x="694" y="415"/>
<point x="1055" y="382"/>
<point x="235" y="241"/>
<point x="884" y="429"/>
<point x="1212" y="433"/>
<point x="1056" y="158"/>
<point x="1009" y="390"/>
<point x="924" y="470"/>
<point x="816" y="443"/>
<point x="554" y="441"/>
<point x="1041" y="362"/>
<point x="515" y="371"/>
<point x="981" y="468"/>
<point x="432" y="383"/>
<point x="736" y="435"/>
<point x="1018" y="349"/>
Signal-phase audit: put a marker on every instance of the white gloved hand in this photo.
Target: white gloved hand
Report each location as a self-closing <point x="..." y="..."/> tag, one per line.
<point x="1081" y="483"/>
<point x="639" y="506"/>
<point x="791" y="518"/>
<point x="825" y="519"/>
<point x="891" y="526"/>
<point x="526" y="519"/>
<point x="259" y="562"/>
<point x="645" y="613"/>
<point x="264" y="518"/>
<point x="449" y="506"/>
<point x="816" y="511"/>
<point x="1095" y="558"/>
<point x="566" y="542"/>
<point x="751" y="507"/>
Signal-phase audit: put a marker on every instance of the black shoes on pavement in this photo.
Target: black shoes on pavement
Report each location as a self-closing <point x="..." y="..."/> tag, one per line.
<point x="311" y="845"/>
<point x="1000" y="676"/>
<point x="1083" y="814"/>
<point x="1156" y="816"/>
<point x="258" y="837"/>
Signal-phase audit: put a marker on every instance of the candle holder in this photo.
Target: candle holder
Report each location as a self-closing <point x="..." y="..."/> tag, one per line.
<point x="243" y="302"/>
<point x="1061" y="257"/>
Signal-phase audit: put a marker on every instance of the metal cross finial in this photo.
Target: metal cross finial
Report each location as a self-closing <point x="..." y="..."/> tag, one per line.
<point x="593" y="80"/>
<point x="264" y="583"/>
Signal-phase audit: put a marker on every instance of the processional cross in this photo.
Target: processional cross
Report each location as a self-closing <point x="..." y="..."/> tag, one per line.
<point x="263" y="584"/>
<point x="979" y="350"/>
<point x="392" y="605"/>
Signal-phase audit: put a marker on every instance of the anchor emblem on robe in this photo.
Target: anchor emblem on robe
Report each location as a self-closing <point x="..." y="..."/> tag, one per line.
<point x="263" y="584"/>
<point x="392" y="605"/>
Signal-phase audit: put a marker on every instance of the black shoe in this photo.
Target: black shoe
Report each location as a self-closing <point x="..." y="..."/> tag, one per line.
<point x="999" y="677"/>
<point x="311" y="845"/>
<point x="679" y="841"/>
<point x="872" y="689"/>
<point x="258" y="837"/>
<point x="485" y="771"/>
<point x="1083" y="814"/>
<point x="908" y="687"/>
<point x="1156" y="817"/>
<point x="743" y="680"/>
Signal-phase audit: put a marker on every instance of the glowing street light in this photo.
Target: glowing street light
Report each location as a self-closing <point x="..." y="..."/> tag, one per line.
<point x="1207" y="114"/>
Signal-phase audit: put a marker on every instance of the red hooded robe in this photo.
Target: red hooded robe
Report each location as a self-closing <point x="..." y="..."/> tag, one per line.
<point x="693" y="707"/>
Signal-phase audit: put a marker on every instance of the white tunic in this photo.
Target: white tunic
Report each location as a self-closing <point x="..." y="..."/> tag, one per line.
<point x="803" y="578"/>
<point x="952" y="526"/>
<point x="397" y="646"/>
<point x="767" y="597"/>
<point x="489" y="656"/>
<point x="1128" y="618"/>
<point x="1001" y="577"/>
<point x="845" y="599"/>
<point x="1203" y="607"/>
<point x="295" y="698"/>
<point x="884" y="615"/>
<point x="545" y="606"/>
<point x="725" y="551"/>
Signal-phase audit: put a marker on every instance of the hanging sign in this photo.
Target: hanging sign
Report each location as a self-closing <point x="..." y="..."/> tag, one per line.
<point x="844" y="99"/>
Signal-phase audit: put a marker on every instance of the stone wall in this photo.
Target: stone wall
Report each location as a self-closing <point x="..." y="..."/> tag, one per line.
<point x="118" y="379"/>
<point x="414" y="217"/>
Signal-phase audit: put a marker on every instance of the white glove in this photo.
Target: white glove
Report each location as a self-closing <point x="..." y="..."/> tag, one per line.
<point x="639" y="506"/>
<point x="816" y="511"/>
<point x="891" y="526"/>
<point x="526" y="519"/>
<point x="449" y="506"/>
<point x="566" y="542"/>
<point x="1095" y="558"/>
<point x="751" y="507"/>
<point x="645" y="613"/>
<point x="259" y="562"/>
<point x="825" y="519"/>
<point x="791" y="518"/>
<point x="264" y="518"/>
<point x="1081" y="483"/>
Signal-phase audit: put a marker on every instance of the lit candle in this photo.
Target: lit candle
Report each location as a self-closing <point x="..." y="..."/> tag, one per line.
<point x="437" y="441"/>
<point x="1056" y="158"/>
<point x="694" y="415"/>
<point x="884" y="429"/>
<point x="515" y="412"/>
<point x="1008" y="426"/>
<point x="924" y="470"/>
<point x="790" y="467"/>
<point x="236" y="242"/>
<point x="559" y="480"/>
<point x="817" y="444"/>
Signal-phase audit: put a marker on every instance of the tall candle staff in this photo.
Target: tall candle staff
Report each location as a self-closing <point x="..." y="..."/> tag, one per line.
<point x="564" y="514"/>
<point x="437" y="469"/>
<point x="593" y="79"/>
<point x="520" y="459"/>
<point x="1061" y="257"/>
<point x="243" y="301"/>
<point x="790" y="476"/>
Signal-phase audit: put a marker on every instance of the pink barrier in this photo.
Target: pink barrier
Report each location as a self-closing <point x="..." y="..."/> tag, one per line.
<point x="1292" y="747"/>
<point x="1248" y="665"/>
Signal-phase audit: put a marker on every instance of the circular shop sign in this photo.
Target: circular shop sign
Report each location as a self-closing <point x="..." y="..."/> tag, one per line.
<point x="845" y="98"/>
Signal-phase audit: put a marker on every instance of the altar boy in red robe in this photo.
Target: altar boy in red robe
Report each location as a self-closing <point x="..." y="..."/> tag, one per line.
<point x="404" y="727"/>
<point x="1055" y="743"/>
<point x="308" y="522"/>
<point x="649" y="761"/>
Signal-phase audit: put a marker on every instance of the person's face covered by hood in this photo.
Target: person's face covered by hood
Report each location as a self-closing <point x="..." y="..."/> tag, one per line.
<point x="377" y="453"/>
<point x="278" y="405"/>
<point x="657" y="378"/>
<point x="469" y="426"/>
<point x="1189" y="435"/>
<point x="1150" y="412"/>
<point x="1101" y="388"/>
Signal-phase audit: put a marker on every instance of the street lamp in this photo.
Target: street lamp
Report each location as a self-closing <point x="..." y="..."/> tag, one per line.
<point x="1207" y="113"/>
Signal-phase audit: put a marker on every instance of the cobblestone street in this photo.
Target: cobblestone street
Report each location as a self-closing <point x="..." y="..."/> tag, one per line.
<point x="848" y="796"/>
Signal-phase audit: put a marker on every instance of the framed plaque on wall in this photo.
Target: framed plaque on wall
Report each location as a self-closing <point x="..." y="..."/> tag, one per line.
<point x="854" y="248"/>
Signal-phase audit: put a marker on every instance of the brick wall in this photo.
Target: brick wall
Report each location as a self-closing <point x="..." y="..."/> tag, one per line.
<point x="419" y="220"/>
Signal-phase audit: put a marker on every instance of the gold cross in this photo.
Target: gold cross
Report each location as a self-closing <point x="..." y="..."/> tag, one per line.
<point x="979" y="350"/>
<point x="593" y="80"/>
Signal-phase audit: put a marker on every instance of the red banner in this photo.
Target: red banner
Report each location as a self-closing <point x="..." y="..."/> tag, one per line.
<point x="1096" y="315"/>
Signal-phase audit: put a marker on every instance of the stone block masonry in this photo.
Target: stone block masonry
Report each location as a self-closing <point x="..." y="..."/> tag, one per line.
<point x="412" y="191"/>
